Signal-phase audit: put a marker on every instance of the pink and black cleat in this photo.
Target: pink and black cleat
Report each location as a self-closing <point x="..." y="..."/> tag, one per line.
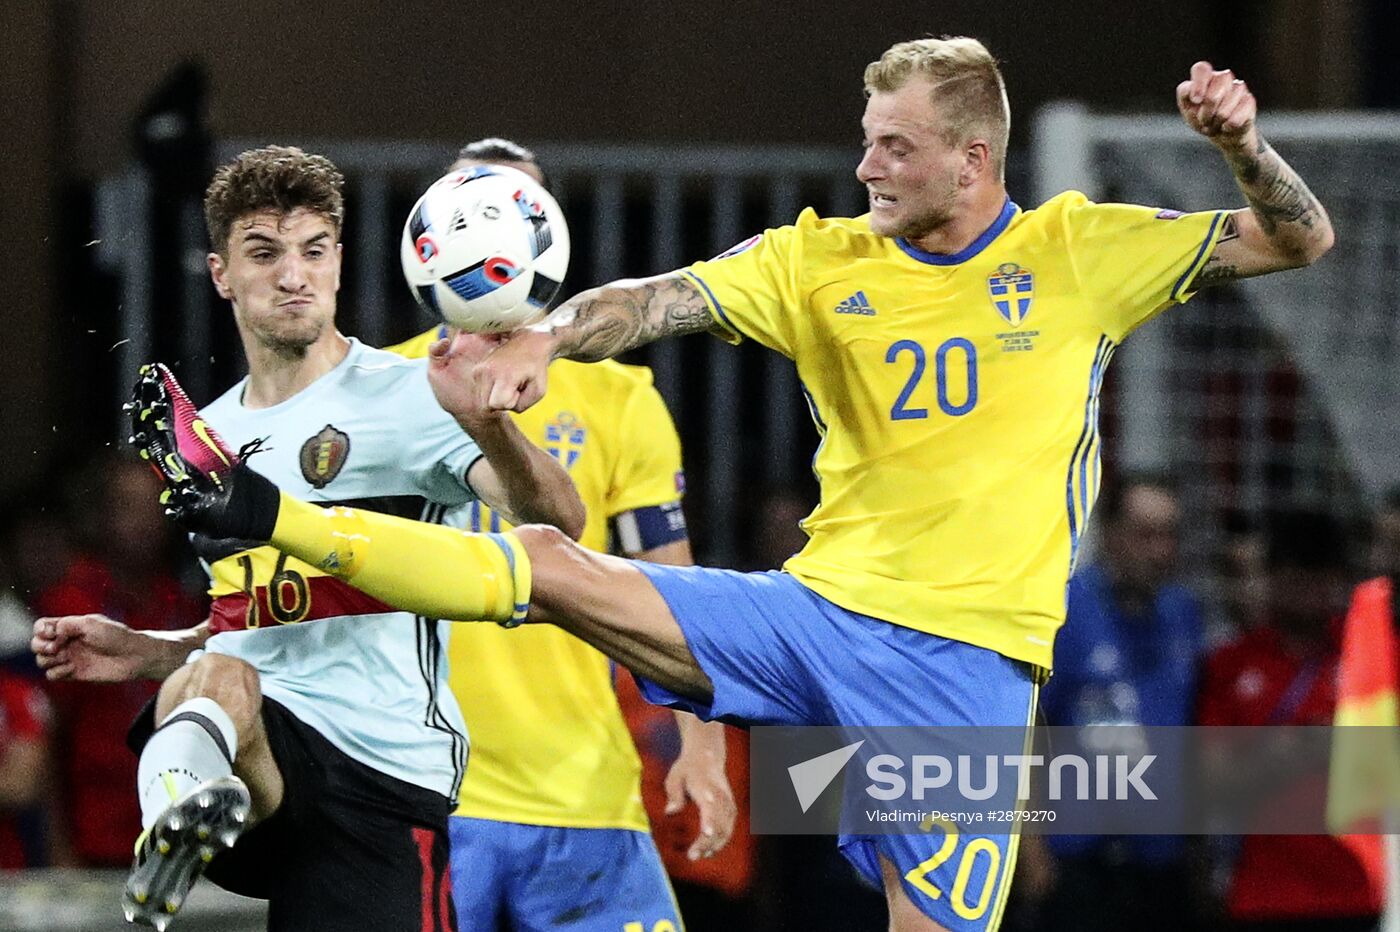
<point x="207" y="486"/>
<point x="168" y="432"/>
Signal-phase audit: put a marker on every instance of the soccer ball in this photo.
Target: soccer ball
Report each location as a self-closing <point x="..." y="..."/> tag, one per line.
<point x="485" y="248"/>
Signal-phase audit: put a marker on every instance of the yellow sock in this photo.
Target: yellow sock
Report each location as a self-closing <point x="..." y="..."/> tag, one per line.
<point x="426" y="569"/>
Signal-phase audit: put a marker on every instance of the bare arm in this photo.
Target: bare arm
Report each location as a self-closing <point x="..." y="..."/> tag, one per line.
<point x="168" y="649"/>
<point x="1285" y="226"/>
<point x="96" y="649"/>
<point x="593" y="325"/>
<point x="600" y="323"/>
<point x="515" y="477"/>
<point x="521" y="481"/>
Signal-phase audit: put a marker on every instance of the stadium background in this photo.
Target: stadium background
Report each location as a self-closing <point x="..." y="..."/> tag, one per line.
<point x="100" y="93"/>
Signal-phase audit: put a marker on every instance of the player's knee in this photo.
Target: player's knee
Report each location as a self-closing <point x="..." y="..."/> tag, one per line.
<point x="558" y="565"/>
<point x="541" y="540"/>
<point x="230" y="682"/>
<point x="547" y="547"/>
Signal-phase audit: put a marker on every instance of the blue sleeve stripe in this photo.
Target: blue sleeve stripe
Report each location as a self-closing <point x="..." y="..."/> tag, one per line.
<point x="1195" y="266"/>
<point x="714" y="302"/>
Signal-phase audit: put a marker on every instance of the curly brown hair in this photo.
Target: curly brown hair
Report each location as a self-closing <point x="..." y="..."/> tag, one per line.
<point x="280" y="178"/>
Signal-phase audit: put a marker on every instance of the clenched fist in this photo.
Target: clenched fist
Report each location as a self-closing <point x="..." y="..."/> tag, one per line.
<point x="1218" y="105"/>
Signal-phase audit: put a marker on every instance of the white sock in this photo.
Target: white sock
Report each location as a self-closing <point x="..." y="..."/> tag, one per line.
<point x="183" y="753"/>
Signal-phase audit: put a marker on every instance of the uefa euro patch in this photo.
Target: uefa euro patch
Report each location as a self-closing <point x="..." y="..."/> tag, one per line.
<point x="323" y="456"/>
<point x="1012" y="289"/>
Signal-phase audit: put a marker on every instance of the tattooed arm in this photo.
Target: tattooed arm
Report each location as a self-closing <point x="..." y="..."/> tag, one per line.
<point x="601" y="323"/>
<point x="1285" y="226"/>
<point x="594" y="325"/>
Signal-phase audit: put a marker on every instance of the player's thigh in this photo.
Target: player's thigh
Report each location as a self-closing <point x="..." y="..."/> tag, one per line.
<point x="607" y="602"/>
<point x="482" y="865"/>
<point x="755" y="638"/>
<point x="595" y="880"/>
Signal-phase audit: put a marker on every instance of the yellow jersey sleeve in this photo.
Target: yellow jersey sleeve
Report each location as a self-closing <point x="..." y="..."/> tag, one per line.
<point x="649" y="471"/>
<point x="1137" y="261"/>
<point x="753" y="289"/>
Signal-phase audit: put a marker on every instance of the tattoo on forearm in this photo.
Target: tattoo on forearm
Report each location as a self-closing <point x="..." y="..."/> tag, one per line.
<point x="1215" y="272"/>
<point x="1287" y="213"/>
<point x="1277" y="196"/>
<point x="601" y="323"/>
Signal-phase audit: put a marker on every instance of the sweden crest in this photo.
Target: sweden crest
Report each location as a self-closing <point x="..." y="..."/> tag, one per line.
<point x="563" y="439"/>
<point x="1012" y="288"/>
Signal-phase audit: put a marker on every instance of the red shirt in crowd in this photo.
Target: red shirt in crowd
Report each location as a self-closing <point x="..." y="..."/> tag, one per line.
<point x="24" y="717"/>
<point x="1260" y="679"/>
<point x="97" y="769"/>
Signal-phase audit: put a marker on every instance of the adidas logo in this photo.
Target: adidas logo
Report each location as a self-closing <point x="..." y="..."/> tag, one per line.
<point x="857" y="303"/>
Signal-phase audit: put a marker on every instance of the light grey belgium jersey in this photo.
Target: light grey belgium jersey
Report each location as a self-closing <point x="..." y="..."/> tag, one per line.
<point x="371" y="680"/>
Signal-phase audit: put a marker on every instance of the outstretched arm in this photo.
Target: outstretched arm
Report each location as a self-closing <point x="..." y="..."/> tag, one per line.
<point x="603" y="322"/>
<point x="593" y="325"/>
<point x="1285" y="226"/>
<point x="514" y="476"/>
<point x="96" y="649"/>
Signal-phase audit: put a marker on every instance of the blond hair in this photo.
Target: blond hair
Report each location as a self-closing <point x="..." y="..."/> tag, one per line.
<point x="967" y="87"/>
<point x="280" y="178"/>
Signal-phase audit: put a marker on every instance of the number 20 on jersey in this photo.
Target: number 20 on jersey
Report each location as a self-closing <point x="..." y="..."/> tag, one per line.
<point x="956" y="356"/>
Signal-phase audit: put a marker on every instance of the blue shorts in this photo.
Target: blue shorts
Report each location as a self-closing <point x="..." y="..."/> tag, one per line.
<point x="779" y="654"/>
<point x="523" y="878"/>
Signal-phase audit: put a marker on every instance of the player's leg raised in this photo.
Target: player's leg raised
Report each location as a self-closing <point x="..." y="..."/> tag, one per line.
<point x="426" y="569"/>
<point x="441" y="572"/>
<point x="434" y="571"/>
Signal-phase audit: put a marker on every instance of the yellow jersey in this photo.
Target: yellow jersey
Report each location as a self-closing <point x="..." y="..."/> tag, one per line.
<point x="957" y="398"/>
<point x="548" y="742"/>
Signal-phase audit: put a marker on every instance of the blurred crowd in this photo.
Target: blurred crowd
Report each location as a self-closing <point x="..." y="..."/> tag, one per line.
<point x="67" y="782"/>
<point x="1139" y="647"/>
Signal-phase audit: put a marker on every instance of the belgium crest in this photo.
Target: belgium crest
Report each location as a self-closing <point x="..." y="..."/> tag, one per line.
<point x="323" y="455"/>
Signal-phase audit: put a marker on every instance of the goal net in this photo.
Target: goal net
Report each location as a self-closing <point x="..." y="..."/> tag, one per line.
<point x="1278" y="392"/>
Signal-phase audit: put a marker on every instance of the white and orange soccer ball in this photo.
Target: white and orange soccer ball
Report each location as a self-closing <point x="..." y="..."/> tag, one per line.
<point x="486" y="249"/>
